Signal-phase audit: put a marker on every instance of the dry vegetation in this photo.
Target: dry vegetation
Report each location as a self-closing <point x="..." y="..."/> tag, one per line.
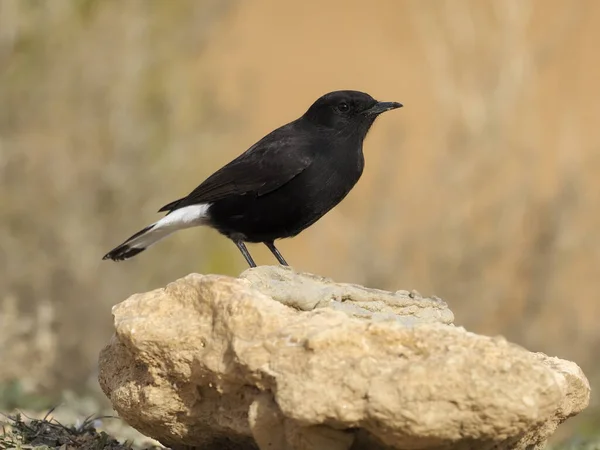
<point x="21" y="432"/>
<point x="482" y="190"/>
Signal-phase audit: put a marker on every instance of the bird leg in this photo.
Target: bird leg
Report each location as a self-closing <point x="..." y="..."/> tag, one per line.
<point x="279" y="256"/>
<point x="245" y="252"/>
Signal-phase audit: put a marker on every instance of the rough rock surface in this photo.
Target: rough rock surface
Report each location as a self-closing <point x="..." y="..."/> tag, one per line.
<point x="286" y="361"/>
<point x="306" y="292"/>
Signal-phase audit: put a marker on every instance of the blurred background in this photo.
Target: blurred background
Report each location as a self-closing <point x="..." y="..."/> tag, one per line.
<point x="482" y="190"/>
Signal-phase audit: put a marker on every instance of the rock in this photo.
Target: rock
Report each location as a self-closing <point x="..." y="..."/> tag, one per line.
<point x="287" y="361"/>
<point x="306" y="292"/>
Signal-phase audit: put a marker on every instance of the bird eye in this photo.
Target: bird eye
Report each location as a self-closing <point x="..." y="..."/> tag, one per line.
<point x="343" y="107"/>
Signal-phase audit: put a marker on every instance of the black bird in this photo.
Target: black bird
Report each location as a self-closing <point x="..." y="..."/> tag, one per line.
<point x="282" y="184"/>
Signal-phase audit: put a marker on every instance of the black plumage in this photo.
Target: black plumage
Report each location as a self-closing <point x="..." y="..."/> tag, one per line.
<point x="282" y="184"/>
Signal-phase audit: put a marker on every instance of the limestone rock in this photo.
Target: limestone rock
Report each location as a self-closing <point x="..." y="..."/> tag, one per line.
<point x="306" y="292"/>
<point x="286" y="361"/>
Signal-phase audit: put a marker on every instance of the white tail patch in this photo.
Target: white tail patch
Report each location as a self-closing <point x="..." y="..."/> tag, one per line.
<point x="186" y="217"/>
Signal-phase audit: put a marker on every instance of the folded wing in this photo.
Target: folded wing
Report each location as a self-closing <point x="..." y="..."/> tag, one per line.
<point x="269" y="164"/>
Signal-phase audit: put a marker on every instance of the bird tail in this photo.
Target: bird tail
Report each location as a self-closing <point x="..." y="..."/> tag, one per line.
<point x="137" y="243"/>
<point x="186" y="217"/>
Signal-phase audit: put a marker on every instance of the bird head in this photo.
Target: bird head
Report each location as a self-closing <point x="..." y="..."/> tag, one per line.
<point x="347" y="110"/>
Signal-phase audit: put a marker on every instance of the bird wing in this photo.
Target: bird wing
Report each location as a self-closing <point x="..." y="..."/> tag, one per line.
<point x="267" y="165"/>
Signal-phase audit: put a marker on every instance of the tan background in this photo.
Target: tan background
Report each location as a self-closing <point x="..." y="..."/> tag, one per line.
<point x="483" y="190"/>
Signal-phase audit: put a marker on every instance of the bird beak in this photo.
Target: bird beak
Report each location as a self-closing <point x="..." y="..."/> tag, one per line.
<point x="381" y="107"/>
